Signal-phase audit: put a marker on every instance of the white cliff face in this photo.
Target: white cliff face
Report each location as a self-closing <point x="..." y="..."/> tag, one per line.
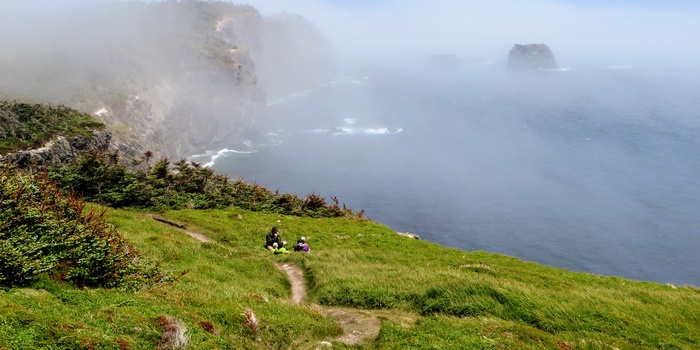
<point x="173" y="78"/>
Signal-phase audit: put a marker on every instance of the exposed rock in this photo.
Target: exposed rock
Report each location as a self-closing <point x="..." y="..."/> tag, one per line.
<point x="531" y="56"/>
<point x="61" y="150"/>
<point x="409" y="235"/>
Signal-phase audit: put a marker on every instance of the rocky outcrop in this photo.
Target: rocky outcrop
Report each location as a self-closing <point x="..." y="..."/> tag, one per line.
<point x="409" y="235"/>
<point x="59" y="151"/>
<point x="532" y="57"/>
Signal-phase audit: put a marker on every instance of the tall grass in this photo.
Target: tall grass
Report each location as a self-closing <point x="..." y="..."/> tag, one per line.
<point x="365" y="265"/>
<point x="459" y="300"/>
<point x="215" y="284"/>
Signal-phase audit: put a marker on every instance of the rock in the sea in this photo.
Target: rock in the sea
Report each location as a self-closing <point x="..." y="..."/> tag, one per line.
<point x="531" y="56"/>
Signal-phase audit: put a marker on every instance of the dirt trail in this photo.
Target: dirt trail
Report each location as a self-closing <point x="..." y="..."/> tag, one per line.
<point x="296" y="279"/>
<point x="196" y="235"/>
<point x="358" y="325"/>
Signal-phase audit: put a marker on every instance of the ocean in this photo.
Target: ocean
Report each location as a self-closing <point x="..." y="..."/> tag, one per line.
<point x="592" y="169"/>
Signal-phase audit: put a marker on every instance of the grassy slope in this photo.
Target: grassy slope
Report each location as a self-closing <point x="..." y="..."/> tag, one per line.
<point x="459" y="299"/>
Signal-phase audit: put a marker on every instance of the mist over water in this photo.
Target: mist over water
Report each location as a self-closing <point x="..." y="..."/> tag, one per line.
<point x="593" y="170"/>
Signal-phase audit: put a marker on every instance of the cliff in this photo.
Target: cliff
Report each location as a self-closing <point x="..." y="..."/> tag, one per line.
<point x="43" y="135"/>
<point x="61" y="150"/>
<point x="531" y="56"/>
<point x="175" y="78"/>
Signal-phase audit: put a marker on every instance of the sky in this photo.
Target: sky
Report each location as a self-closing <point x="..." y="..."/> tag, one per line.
<point x="612" y="32"/>
<point x="609" y="32"/>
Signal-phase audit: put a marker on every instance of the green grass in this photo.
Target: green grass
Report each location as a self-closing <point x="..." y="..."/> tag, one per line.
<point x="458" y="299"/>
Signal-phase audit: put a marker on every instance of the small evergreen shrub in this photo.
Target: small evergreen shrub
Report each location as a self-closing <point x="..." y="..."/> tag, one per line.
<point x="24" y="125"/>
<point x="46" y="232"/>
<point x="101" y="177"/>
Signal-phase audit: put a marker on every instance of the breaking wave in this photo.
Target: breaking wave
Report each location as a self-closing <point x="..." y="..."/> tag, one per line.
<point x="210" y="157"/>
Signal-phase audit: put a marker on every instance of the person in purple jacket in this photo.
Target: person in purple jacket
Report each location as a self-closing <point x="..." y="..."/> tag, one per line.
<point x="301" y="245"/>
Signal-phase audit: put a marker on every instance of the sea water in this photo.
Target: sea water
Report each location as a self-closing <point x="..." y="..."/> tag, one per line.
<point x="593" y="169"/>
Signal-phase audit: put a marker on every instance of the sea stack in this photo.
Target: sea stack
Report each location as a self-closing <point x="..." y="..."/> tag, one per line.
<point x="531" y="57"/>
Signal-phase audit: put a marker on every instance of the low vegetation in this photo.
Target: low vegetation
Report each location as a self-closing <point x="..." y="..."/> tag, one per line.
<point x="457" y="299"/>
<point x="102" y="178"/>
<point x="474" y="300"/>
<point x="26" y="125"/>
<point x="88" y="276"/>
<point x="46" y="233"/>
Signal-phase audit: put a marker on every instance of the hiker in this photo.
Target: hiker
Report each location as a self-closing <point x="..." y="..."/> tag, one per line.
<point x="277" y="250"/>
<point x="301" y="245"/>
<point x="274" y="237"/>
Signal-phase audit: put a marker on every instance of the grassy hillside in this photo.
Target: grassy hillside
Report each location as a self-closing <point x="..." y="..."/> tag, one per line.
<point x="430" y="297"/>
<point x="228" y="293"/>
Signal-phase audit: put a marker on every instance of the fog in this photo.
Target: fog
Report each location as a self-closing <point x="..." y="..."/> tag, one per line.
<point x="593" y="168"/>
<point x="158" y="67"/>
<point x="579" y="32"/>
<point x="393" y="33"/>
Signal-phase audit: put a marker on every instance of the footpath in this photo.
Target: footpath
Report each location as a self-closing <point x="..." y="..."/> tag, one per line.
<point x="358" y="325"/>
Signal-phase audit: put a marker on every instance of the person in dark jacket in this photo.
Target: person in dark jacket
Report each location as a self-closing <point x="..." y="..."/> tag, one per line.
<point x="274" y="237"/>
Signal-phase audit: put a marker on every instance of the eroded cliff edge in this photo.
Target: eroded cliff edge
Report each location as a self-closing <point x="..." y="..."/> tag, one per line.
<point x="176" y="78"/>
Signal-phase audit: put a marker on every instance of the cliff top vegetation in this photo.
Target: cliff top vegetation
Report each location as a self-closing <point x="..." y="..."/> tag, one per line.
<point x="26" y="125"/>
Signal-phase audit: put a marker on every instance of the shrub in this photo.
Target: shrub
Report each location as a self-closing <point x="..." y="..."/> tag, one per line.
<point x="43" y="231"/>
<point x="24" y="125"/>
<point x="101" y="177"/>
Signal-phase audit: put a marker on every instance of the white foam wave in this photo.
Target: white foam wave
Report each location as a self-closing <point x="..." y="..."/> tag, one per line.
<point x="212" y="156"/>
<point x="367" y="131"/>
<point x="316" y="131"/>
<point x="556" y="70"/>
<point x="346" y="81"/>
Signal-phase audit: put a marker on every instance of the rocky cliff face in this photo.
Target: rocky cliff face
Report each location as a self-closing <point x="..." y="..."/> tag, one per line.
<point x="176" y="77"/>
<point x="531" y="56"/>
<point x="61" y="150"/>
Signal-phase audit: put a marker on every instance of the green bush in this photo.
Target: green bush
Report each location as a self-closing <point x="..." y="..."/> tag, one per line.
<point x="44" y="232"/>
<point x="24" y="125"/>
<point x="101" y="177"/>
